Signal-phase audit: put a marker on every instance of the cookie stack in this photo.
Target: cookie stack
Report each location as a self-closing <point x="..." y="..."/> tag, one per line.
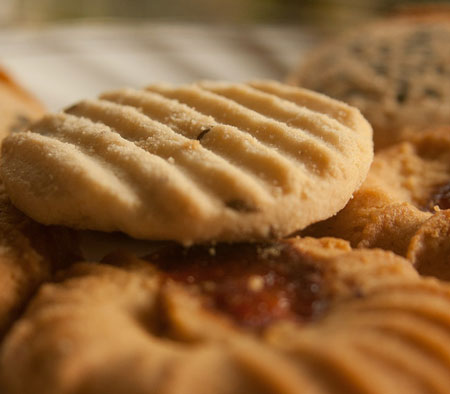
<point x="217" y="179"/>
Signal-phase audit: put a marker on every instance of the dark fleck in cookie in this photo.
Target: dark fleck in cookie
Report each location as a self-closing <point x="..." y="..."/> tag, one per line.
<point x="17" y="107"/>
<point x="300" y="315"/>
<point x="396" y="71"/>
<point x="408" y="184"/>
<point x="192" y="163"/>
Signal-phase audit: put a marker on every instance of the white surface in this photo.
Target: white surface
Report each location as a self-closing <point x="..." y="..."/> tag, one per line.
<point x="63" y="64"/>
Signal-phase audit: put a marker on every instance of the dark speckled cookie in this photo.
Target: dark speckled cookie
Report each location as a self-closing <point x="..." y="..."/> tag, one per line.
<point x="396" y="71"/>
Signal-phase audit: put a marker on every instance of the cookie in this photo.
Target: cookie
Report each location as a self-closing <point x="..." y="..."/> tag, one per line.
<point x="17" y="107"/>
<point x="407" y="185"/>
<point x="429" y="249"/>
<point x="29" y="253"/>
<point x="294" y="316"/>
<point x="396" y="71"/>
<point x="202" y="162"/>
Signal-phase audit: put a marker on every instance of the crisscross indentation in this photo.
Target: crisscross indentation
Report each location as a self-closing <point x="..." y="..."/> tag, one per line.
<point x="136" y="170"/>
<point x="314" y="101"/>
<point x="215" y="175"/>
<point x="323" y="129"/>
<point x="298" y="146"/>
<point x="237" y="147"/>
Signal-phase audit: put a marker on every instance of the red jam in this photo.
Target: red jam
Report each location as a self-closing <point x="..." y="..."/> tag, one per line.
<point x="252" y="283"/>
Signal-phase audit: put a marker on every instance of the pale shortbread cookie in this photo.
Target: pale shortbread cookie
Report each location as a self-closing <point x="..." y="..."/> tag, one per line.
<point x="200" y="162"/>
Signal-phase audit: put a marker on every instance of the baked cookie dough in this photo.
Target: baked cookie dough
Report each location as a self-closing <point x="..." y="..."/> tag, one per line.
<point x="29" y="253"/>
<point x="396" y="71"/>
<point x="202" y="162"/>
<point x="429" y="249"/>
<point x="293" y="316"/>
<point x="405" y="197"/>
<point x="17" y="107"/>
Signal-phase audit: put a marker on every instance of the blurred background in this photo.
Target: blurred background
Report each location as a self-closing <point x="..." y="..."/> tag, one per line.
<point x="64" y="50"/>
<point x="307" y="12"/>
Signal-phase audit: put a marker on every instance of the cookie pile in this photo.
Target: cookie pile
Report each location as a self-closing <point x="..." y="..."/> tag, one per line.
<point x="405" y="192"/>
<point x="403" y="204"/>
<point x="292" y="316"/>
<point x="284" y="257"/>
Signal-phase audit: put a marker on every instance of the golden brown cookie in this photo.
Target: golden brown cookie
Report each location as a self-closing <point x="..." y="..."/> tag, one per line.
<point x="429" y="249"/>
<point x="396" y="71"/>
<point x="17" y="107"/>
<point x="29" y="252"/>
<point x="191" y="163"/>
<point x="294" y="316"/>
<point x="407" y="185"/>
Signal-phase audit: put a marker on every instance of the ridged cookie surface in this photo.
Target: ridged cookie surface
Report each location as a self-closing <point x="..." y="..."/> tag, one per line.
<point x="288" y="317"/>
<point x="199" y="162"/>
